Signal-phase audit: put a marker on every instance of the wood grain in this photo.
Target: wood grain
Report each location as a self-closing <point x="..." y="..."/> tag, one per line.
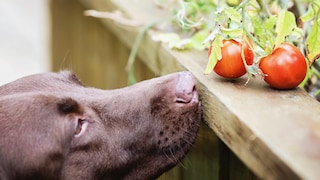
<point x="275" y="133"/>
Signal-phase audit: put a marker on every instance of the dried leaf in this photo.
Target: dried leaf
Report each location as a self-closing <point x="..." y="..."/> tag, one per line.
<point x="313" y="45"/>
<point x="116" y="16"/>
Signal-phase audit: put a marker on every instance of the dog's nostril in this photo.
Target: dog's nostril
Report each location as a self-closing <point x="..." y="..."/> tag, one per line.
<point x="185" y="88"/>
<point x="184" y="96"/>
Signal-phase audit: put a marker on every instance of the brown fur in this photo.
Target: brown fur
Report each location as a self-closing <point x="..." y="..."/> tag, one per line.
<point x="137" y="132"/>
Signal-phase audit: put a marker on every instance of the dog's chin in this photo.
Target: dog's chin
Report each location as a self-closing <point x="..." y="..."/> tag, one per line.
<point x="156" y="166"/>
<point x="153" y="166"/>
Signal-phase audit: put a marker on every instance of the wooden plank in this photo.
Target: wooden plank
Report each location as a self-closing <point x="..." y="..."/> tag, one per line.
<point x="275" y="133"/>
<point x="230" y="167"/>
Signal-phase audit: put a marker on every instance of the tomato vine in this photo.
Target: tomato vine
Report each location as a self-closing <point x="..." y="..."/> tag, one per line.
<point x="262" y="24"/>
<point x="266" y="23"/>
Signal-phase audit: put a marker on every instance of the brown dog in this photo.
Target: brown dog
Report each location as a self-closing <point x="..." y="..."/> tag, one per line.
<point x="53" y="127"/>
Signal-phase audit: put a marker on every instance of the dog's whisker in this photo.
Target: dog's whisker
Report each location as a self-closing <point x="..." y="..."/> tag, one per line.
<point x="187" y="141"/>
<point x="182" y="165"/>
<point x="173" y="156"/>
<point x="170" y="156"/>
<point x="165" y="153"/>
<point x="185" y="161"/>
<point x="180" y="162"/>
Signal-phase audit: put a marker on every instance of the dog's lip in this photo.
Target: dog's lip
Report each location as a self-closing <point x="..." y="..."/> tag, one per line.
<point x="186" y="91"/>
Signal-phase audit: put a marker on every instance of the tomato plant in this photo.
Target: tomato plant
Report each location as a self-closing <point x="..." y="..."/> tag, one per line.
<point x="266" y="24"/>
<point x="285" y="67"/>
<point x="231" y="64"/>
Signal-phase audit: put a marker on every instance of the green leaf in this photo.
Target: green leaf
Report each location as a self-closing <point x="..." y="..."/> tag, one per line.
<point x="198" y="38"/>
<point x="313" y="45"/>
<point x="264" y="31"/>
<point x="285" y="24"/>
<point x="233" y="14"/>
<point x="215" y="55"/>
<point x="232" y="32"/>
<point x="308" y="15"/>
<point x="270" y="22"/>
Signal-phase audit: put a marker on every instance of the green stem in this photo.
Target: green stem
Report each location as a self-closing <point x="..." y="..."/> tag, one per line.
<point x="242" y="5"/>
<point x="263" y="6"/>
<point x="247" y="33"/>
<point x="134" y="50"/>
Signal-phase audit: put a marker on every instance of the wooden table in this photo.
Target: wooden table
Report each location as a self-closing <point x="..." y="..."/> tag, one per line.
<point x="275" y="133"/>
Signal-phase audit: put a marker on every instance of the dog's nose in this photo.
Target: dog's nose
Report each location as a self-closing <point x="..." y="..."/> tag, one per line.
<point x="186" y="88"/>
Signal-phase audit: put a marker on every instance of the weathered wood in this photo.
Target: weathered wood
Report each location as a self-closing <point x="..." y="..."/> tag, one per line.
<point x="275" y="133"/>
<point x="230" y="167"/>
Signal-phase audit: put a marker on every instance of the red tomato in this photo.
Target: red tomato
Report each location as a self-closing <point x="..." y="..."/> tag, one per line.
<point x="231" y="64"/>
<point x="285" y="68"/>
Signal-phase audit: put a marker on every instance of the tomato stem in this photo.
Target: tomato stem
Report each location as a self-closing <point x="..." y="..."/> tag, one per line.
<point x="245" y="30"/>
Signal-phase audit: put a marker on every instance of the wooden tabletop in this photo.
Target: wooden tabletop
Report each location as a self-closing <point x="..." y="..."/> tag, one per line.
<point x="275" y="133"/>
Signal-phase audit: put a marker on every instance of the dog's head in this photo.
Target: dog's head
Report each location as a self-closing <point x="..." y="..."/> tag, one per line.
<point x="55" y="127"/>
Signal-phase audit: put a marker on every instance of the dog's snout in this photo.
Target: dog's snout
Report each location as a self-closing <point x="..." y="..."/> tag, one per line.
<point x="186" y="88"/>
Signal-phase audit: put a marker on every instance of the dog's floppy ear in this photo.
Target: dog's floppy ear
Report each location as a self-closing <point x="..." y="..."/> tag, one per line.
<point x="69" y="106"/>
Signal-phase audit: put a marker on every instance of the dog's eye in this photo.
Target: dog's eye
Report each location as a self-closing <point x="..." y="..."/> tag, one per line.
<point x="81" y="127"/>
